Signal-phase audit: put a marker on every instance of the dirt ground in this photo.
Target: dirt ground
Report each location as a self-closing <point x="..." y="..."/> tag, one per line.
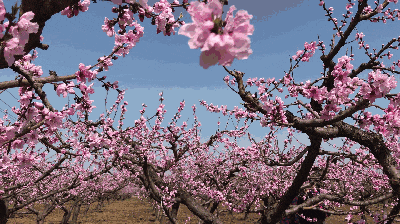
<point x="130" y="210"/>
<point x="134" y="210"/>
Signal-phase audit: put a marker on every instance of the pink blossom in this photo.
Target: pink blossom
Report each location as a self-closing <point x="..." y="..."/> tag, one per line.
<point x="379" y="8"/>
<point x="84" y="73"/>
<point x="5" y="162"/>
<point x="54" y="119"/>
<point x="166" y="22"/>
<point x="329" y="111"/>
<point x="61" y="89"/>
<point x="25" y="160"/>
<point x="106" y="63"/>
<point x="73" y="11"/>
<point x="26" y="64"/>
<point x="315" y="93"/>
<point x="161" y="6"/>
<point x="20" y="33"/>
<point x="222" y="46"/>
<point x="84" y="6"/>
<point x="64" y="89"/>
<point x="389" y="55"/>
<point x="108" y="28"/>
<point x="12" y="48"/>
<point x="18" y="144"/>
<point x="382" y="82"/>
<point x="86" y="89"/>
<point x="142" y="13"/>
<point x="359" y="35"/>
<point x="349" y="5"/>
<point x="129" y="38"/>
<point x="115" y="85"/>
<point x="2" y="11"/>
<point x="39" y="105"/>
<point x="310" y="50"/>
<point x="367" y="9"/>
<point x="10" y="132"/>
<point x="127" y="17"/>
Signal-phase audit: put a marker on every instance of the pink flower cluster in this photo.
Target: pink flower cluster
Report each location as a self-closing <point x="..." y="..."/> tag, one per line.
<point x="165" y="21"/>
<point x="20" y="33"/>
<point x="26" y="64"/>
<point x="65" y="89"/>
<point x="378" y="85"/>
<point x="108" y="27"/>
<point x="74" y="10"/>
<point x="130" y="38"/>
<point x="105" y="62"/>
<point x="126" y="19"/>
<point x="309" y="49"/>
<point x="218" y="45"/>
<point x="84" y="73"/>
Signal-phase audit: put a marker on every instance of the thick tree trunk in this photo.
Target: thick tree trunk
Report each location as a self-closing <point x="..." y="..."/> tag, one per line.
<point x="214" y="207"/>
<point x="3" y="212"/>
<point x="100" y="205"/>
<point x="47" y="210"/>
<point x="75" y="212"/>
<point x="66" y="216"/>
<point x="174" y="211"/>
<point x="87" y="209"/>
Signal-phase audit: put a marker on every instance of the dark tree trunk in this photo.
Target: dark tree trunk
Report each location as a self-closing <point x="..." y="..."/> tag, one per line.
<point x="75" y="212"/>
<point x="66" y="216"/>
<point x="214" y="207"/>
<point x="3" y="212"/>
<point x="87" y="209"/>
<point x="47" y="210"/>
<point x="100" y="205"/>
<point x="174" y="210"/>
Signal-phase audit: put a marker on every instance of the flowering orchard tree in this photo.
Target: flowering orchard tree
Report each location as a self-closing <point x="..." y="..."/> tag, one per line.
<point x="264" y="178"/>
<point x="27" y="175"/>
<point x="339" y="106"/>
<point x="172" y="165"/>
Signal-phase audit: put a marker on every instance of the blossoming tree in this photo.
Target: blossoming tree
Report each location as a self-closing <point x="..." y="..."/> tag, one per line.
<point x="172" y="165"/>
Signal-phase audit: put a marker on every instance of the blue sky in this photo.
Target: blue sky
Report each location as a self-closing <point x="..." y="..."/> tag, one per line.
<point x="166" y="63"/>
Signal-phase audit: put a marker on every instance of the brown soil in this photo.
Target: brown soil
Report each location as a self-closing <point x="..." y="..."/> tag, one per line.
<point x="123" y="212"/>
<point x="134" y="210"/>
